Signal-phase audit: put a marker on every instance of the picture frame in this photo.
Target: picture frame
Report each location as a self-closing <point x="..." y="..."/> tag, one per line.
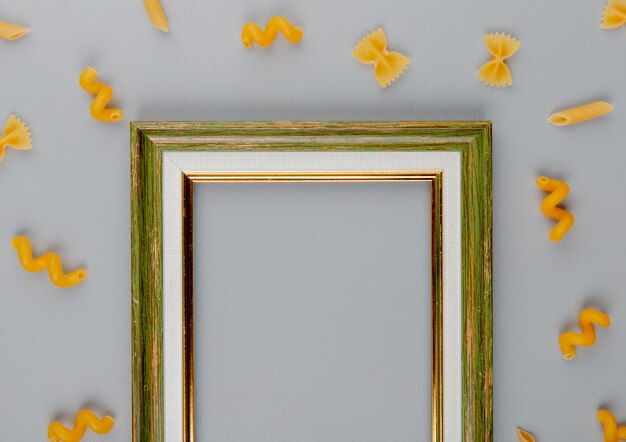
<point x="169" y="158"/>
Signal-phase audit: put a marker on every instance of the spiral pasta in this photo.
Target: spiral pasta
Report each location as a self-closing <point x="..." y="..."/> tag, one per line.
<point x="587" y="318"/>
<point x="558" y="192"/>
<point x="57" y="432"/>
<point x="103" y="95"/>
<point x="9" y="31"/>
<point x="496" y="72"/>
<point x="612" y="433"/>
<point x="614" y="14"/>
<point x="14" y="135"/>
<point x="253" y="33"/>
<point x="50" y="261"/>
<point x="388" y="66"/>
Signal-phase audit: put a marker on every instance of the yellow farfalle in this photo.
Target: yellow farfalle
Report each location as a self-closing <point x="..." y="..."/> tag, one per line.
<point x="388" y="66"/>
<point x="495" y="72"/>
<point x="103" y="95"/>
<point x="253" y="33"/>
<point x="612" y="433"/>
<point x="558" y="192"/>
<point x="587" y="318"/>
<point x="14" y="135"/>
<point x="614" y="14"/>
<point x="57" y="432"/>
<point x="9" y="31"/>
<point x="50" y="261"/>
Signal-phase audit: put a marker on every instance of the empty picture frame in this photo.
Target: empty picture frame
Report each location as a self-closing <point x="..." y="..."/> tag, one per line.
<point x="169" y="158"/>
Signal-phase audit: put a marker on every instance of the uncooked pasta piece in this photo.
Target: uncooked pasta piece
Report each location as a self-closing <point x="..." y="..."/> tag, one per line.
<point x="558" y="192"/>
<point x="156" y="14"/>
<point x="9" y="31"/>
<point x="614" y="14"/>
<point x="15" y="135"/>
<point x="495" y="72"/>
<point x="580" y="113"/>
<point x="588" y="317"/>
<point x="612" y="433"/>
<point x="525" y="436"/>
<point x="103" y="95"/>
<point x="251" y="32"/>
<point x="388" y="66"/>
<point x="57" y="432"/>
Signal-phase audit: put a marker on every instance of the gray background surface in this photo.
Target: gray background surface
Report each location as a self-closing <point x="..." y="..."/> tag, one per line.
<point x="65" y="349"/>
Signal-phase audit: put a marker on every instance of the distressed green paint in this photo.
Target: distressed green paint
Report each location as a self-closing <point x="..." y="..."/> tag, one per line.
<point x="150" y="139"/>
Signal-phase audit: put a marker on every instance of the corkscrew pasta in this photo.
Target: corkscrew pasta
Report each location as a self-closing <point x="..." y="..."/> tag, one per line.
<point x="15" y="135"/>
<point x="103" y="95"/>
<point x="496" y="72"/>
<point x="156" y="14"/>
<point x="581" y="113"/>
<point x="9" y="31"/>
<point x="612" y="433"/>
<point x="253" y="33"/>
<point x="57" y="432"/>
<point x="588" y="317"/>
<point x="50" y="261"/>
<point x="614" y="14"/>
<point x="558" y="192"/>
<point x="525" y="436"/>
<point x="388" y="66"/>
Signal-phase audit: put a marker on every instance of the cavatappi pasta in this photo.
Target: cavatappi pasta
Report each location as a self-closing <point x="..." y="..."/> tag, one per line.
<point x="103" y="95"/>
<point x="252" y="33"/>
<point x="568" y="341"/>
<point x="57" y="432"/>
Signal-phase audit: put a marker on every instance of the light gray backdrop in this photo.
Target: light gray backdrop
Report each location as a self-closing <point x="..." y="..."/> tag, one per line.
<point x="65" y="349"/>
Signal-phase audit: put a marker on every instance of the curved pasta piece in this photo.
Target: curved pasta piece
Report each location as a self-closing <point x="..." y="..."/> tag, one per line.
<point x="612" y="433"/>
<point x="580" y="113"/>
<point x="9" y="31"/>
<point x="614" y="14"/>
<point x="103" y="95"/>
<point x="558" y="192"/>
<point x="15" y="135"/>
<point x="525" y="436"/>
<point x="587" y="318"/>
<point x="57" y="432"/>
<point x="388" y="66"/>
<point x="156" y="14"/>
<point x="496" y="72"/>
<point x="252" y="33"/>
<point x="50" y="261"/>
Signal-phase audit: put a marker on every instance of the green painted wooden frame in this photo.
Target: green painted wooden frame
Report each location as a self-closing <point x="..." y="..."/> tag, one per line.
<point x="150" y="139"/>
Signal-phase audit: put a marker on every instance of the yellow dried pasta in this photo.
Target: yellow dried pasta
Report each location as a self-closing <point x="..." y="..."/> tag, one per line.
<point x="9" y="31"/>
<point x="614" y="14"/>
<point x="103" y="95"/>
<point x="388" y="66"/>
<point x="156" y="14"/>
<point x="525" y="436"/>
<point x="581" y="113"/>
<point x="15" y="135"/>
<point x="587" y="318"/>
<point x="612" y="433"/>
<point x="495" y="72"/>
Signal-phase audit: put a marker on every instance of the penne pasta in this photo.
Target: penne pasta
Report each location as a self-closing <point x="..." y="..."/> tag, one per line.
<point x="525" y="436"/>
<point x="579" y="114"/>
<point x="156" y="14"/>
<point x="9" y="31"/>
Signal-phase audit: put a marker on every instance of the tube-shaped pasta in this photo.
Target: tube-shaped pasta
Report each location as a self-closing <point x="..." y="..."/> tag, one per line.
<point x="496" y="72"/>
<point x="388" y="66"/>
<point x="614" y="14"/>
<point x="253" y="33"/>
<point x="581" y="113"/>
<point x="612" y="433"/>
<point x="156" y="14"/>
<point x="50" y="261"/>
<point x="558" y="192"/>
<point x="9" y="31"/>
<point x="15" y="135"/>
<point x="57" y="432"/>
<point x="525" y="436"/>
<point x="587" y="318"/>
<point x="103" y="95"/>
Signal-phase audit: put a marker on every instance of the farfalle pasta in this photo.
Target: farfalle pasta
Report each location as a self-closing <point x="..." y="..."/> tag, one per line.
<point x="103" y="95"/>
<point x="9" y="31"/>
<point x="496" y="72"/>
<point x="612" y="433"/>
<point x="614" y="14"/>
<point x="57" y="432"/>
<point x="558" y="192"/>
<point x="581" y="113"/>
<point x="588" y="317"/>
<point x="156" y="14"/>
<point x="15" y="135"/>
<point x="50" y="261"/>
<point x="252" y="33"/>
<point x="388" y="66"/>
